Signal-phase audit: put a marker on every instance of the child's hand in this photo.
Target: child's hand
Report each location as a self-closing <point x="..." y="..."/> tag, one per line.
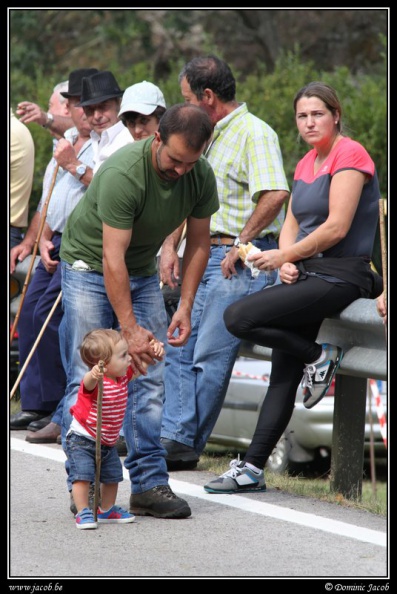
<point x="96" y="372"/>
<point x="158" y="348"/>
<point x="158" y="351"/>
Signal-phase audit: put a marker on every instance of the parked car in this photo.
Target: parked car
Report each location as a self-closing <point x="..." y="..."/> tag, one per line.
<point x="308" y="437"/>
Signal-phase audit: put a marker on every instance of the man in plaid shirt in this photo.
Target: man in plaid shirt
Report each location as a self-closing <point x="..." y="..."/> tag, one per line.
<point x="245" y="155"/>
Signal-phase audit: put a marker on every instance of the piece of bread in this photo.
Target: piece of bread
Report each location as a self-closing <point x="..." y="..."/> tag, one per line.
<point x="244" y="249"/>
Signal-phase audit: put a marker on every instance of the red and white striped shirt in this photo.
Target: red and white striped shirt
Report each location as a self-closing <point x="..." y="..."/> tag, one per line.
<point x="114" y="403"/>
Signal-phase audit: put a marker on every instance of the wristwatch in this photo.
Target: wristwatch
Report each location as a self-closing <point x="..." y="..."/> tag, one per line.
<point x="237" y="242"/>
<point x="50" y="120"/>
<point x="80" y="171"/>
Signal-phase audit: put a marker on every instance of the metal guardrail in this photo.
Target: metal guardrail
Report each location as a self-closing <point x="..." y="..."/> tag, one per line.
<point x="360" y="331"/>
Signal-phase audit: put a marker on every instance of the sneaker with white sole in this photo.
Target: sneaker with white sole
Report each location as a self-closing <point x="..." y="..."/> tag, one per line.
<point x="85" y="520"/>
<point x="317" y="377"/>
<point x="239" y="479"/>
<point x="114" y="515"/>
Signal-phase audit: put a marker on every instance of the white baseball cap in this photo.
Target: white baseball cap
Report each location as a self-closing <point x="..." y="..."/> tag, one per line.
<point x="143" y="98"/>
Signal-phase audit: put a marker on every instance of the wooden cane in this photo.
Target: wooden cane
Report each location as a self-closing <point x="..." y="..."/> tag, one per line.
<point x="383" y="244"/>
<point x="98" y="443"/>
<point x="35" y="345"/>
<point x="35" y="250"/>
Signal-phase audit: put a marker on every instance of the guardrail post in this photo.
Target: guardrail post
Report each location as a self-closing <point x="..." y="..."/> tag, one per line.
<point x="347" y="460"/>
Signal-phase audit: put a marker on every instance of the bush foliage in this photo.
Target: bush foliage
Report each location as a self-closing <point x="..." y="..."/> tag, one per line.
<point x="268" y="95"/>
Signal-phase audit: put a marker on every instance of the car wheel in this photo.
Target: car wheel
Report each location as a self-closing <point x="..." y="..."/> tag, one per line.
<point x="278" y="461"/>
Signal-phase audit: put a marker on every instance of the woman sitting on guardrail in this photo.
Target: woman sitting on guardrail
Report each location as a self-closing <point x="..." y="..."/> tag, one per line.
<point x="323" y="259"/>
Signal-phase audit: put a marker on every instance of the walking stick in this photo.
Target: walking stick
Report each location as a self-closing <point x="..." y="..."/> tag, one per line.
<point x="182" y="237"/>
<point x="98" y="443"/>
<point x="35" y="249"/>
<point x="35" y="345"/>
<point x="383" y="249"/>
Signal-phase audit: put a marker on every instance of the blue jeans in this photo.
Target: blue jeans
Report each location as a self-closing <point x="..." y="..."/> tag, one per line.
<point x="81" y="452"/>
<point x="86" y="306"/>
<point x="58" y="413"/>
<point x="197" y="375"/>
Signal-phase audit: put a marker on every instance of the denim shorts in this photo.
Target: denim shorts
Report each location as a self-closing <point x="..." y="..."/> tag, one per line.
<point x="81" y="453"/>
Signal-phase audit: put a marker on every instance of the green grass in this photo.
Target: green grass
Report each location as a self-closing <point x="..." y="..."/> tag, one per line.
<point x="374" y="493"/>
<point x="15" y="404"/>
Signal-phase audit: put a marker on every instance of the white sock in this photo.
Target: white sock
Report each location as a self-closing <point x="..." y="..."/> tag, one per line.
<point x="252" y="467"/>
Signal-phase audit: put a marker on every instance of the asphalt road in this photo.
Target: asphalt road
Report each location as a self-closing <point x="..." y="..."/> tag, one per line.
<point x="273" y="535"/>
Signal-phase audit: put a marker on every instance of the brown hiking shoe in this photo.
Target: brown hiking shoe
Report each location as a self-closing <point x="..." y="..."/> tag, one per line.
<point x="159" y="502"/>
<point x="47" y="434"/>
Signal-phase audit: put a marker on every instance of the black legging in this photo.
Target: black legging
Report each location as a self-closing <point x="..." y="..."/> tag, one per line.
<point x="287" y="319"/>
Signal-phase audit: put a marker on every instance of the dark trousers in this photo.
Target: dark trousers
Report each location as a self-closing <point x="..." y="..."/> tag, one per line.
<point x="287" y="319"/>
<point x="44" y="381"/>
<point x="16" y="236"/>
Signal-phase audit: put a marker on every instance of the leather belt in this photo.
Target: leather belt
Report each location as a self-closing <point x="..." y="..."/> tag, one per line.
<point x="224" y="239"/>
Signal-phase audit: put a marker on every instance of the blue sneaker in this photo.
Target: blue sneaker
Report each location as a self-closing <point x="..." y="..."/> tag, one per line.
<point x="239" y="479"/>
<point x="115" y="515"/>
<point x="317" y="377"/>
<point x="85" y="520"/>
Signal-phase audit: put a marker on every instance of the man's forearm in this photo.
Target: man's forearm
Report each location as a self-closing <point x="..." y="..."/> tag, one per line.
<point x="57" y="124"/>
<point x="117" y="286"/>
<point x="195" y="260"/>
<point x="32" y="231"/>
<point x="173" y="240"/>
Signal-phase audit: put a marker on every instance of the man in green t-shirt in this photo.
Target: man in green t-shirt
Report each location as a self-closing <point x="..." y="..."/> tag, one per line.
<point x="109" y="278"/>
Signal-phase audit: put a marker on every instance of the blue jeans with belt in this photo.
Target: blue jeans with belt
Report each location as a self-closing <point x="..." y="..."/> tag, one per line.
<point x="86" y="306"/>
<point x="197" y="375"/>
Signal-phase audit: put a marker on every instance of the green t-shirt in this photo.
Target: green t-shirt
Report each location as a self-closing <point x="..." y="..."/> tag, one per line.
<point x="127" y="193"/>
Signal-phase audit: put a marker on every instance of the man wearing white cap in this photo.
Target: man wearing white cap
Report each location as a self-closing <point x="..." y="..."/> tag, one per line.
<point x="142" y="106"/>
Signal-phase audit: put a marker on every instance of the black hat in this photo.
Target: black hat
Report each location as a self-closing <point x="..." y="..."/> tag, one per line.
<point x="99" y="88"/>
<point x="75" y="78"/>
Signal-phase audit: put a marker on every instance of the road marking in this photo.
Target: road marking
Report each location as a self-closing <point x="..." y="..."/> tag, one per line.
<point x="237" y="501"/>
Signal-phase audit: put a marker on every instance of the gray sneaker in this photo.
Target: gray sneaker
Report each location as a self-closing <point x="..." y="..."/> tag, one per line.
<point x="239" y="479"/>
<point x="159" y="502"/>
<point x="318" y="377"/>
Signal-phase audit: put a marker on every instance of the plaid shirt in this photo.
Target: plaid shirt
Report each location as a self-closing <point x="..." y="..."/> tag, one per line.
<point x="246" y="158"/>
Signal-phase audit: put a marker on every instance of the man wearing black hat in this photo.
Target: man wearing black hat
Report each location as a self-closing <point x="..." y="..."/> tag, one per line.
<point x="43" y="383"/>
<point x="98" y="95"/>
<point x="101" y="99"/>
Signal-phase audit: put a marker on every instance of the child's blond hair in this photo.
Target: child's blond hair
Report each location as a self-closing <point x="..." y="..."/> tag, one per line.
<point x="99" y="345"/>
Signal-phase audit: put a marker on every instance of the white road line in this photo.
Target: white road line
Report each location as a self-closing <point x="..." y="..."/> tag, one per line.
<point x="236" y="501"/>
